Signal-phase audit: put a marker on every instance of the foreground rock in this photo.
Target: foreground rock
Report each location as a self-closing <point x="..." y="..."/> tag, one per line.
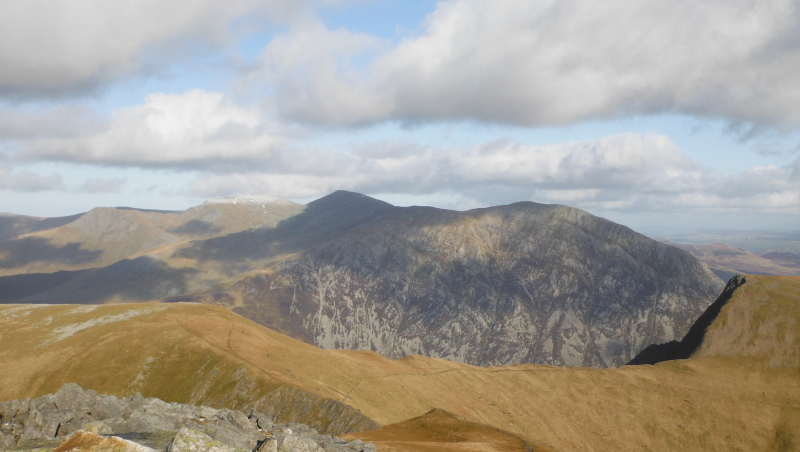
<point x="87" y="441"/>
<point x="84" y="418"/>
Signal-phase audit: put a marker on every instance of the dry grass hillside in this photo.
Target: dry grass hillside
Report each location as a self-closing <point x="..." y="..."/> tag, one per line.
<point x="730" y="396"/>
<point x="440" y="431"/>
<point x="759" y="324"/>
<point x="106" y="235"/>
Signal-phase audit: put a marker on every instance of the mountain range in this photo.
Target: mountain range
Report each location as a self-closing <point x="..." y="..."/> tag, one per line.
<point x="522" y="283"/>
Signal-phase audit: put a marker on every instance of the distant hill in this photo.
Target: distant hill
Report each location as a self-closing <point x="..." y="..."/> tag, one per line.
<point x="106" y="235"/>
<point x="739" y="391"/>
<point x="509" y="284"/>
<point x="726" y="261"/>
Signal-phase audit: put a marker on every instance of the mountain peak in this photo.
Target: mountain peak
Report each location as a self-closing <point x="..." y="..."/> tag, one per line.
<point x="348" y="198"/>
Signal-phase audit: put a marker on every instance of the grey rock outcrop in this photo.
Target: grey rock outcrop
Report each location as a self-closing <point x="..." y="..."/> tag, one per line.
<point x="511" y="284"/>
<point x="54" y="417"/>
<point x="188" y="440"/>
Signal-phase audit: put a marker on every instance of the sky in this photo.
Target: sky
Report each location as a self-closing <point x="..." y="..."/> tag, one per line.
<point x="658" y="114"/>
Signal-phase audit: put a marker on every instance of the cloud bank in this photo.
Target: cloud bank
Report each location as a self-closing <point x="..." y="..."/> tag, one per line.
<point x="624" y="173"/>
<point x="188" y="130"/>
<point x="63" y="48"/>
<point x="555" y="62"/>
<point x="28" y="181"/>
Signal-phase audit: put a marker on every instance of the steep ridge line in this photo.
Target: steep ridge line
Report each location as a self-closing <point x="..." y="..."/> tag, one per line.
<point x="693" y="339"/>
<point x="315" y="404"/>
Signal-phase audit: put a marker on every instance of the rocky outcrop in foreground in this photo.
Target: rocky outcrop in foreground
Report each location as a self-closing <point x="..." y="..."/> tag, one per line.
<point x="80" y="419"/>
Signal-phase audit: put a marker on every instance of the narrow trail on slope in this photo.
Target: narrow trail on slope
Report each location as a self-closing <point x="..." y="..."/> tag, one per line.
<point x="229" y="348"/>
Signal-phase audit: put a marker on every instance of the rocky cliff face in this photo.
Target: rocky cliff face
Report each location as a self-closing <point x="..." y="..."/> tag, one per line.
<point x="512" y="284"/>
<point x="504" y="285"/>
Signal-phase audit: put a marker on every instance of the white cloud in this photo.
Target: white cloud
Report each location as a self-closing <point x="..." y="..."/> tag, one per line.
<point x="309" y="73"/>
<point x="628" y="173"/>
<point x="27" y="181"/>
<point x="70" y="47"/>
<point x="66" y="120"/>
<point x="196" y="128"/>
<point x="102" y="185"/>
<point x="563" y="61"/>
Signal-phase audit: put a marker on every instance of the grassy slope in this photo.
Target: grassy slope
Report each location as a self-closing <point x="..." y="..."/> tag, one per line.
<point x="760" y="323"/>
<point x="197" y="353"/>
<point x="440" y="431"/>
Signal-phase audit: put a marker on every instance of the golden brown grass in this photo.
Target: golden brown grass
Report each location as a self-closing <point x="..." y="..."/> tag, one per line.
<point x="440" y="431"/>
<point x="718" y="400"/>
<point x="760" y="323"/>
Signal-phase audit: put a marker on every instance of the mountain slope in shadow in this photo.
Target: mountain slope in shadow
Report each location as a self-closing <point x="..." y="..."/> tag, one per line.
<point x="509" y="284"/>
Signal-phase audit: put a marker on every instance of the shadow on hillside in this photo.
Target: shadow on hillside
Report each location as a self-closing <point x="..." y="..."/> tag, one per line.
<point x="321" y="220"/>
<point x="140" y="279"/>
<point x="28" y="250"/>
<point x="397" y="255"/>
<point x="690" y="343"/>
<point x="196" y="228"/>
<point x="15" y="225"/>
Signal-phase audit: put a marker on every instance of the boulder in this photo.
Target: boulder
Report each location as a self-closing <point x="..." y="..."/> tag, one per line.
<point x="296" y="443"/>
<point x="188" y="440"/>
<point x="267" y="445"/>
<point x="260" y="420"/>
<point x="107" y="407"/>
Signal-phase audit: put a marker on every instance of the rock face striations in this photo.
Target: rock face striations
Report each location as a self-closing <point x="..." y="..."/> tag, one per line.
<point x="510" y="284"/>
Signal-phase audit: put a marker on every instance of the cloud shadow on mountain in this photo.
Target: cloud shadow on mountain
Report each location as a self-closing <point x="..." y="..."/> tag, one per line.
<point x="16" y="253"/>
<point x="12" y="226"/>
<point x="195" y="228"/>
<point x="141" y="279"/>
